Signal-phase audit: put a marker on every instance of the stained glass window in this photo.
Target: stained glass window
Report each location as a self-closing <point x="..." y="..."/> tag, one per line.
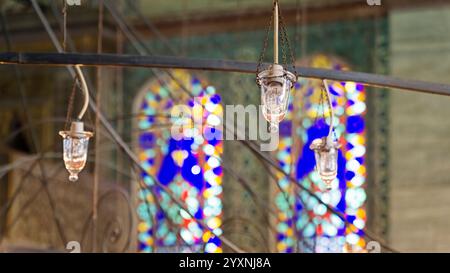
<point x="190" y="167"/>
<point x="303" y="224"/>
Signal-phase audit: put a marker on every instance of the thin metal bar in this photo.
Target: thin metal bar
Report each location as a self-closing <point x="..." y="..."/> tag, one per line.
<point x="275" y="33"/>
<point x="91" y="59"/>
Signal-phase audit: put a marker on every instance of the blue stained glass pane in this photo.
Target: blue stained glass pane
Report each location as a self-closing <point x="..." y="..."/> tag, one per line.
<point x="146" y="140"/>
<point x="285" y="128"/>
<point x="351" y="218"/>
<point x="215" y="99"/>
<point x="199" y="214"/>
<point x="217" y="170"/>
<point x="168" y="170"/>
<point x="349" y="175"/>
<point x="215" y="240"/>
<point x="355" y="124"/>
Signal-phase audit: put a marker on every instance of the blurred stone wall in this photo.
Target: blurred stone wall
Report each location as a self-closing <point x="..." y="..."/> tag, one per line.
<point x="419" y="133"/>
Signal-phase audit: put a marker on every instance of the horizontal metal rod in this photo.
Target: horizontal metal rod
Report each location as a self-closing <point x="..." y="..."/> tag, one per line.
<point x="90" y="59"/>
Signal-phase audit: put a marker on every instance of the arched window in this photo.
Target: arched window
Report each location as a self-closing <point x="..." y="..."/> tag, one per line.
<point x="190" y="167"/>
<point x="301" y="218"/>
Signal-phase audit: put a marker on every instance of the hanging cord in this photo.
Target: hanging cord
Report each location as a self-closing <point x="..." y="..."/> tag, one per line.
<point x="275" y="32"/>
<point x="330" y="104"/>
<point x="71" y="102"/>
<point x="79" y="74"/>
<point x="85" y="90"/>
<point x="320" y="107"/>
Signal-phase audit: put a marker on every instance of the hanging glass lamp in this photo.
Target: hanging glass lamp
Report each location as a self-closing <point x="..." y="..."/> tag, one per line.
<point x="275" y="82"/>
<point x="326" y="150"/>
<point x="75" y="148"/>
<point x="326" y="155"/>
<point x="76" y="140"/>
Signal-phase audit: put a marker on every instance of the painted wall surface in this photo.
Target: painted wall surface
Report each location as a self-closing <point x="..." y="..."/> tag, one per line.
<point x="420" y="129"/>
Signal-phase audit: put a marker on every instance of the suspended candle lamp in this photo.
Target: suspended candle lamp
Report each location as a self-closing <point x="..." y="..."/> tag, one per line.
<point x="326" y="150"/>
<point x="275" y="82"/>
<point x="76" y="140"/>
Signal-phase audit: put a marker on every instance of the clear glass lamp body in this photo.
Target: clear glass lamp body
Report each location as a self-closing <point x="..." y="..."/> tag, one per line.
<point x="275" y="84"/>
<point x="275" y="99"/>
<point x="75" y="147"/>
<point x="326" y="156"/>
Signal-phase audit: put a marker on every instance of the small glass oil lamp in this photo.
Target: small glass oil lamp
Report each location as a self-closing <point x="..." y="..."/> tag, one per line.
<point x="326" y="156"/>
<point x="326" y="149"/>
<point x="75" y="147"/>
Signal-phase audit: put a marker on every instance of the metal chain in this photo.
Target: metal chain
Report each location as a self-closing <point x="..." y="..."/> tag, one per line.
<point x="76" y="82"/>
<point x="64" y="12"/>
<point x="263" y="52"/>
<point x="286" y="42"/>
<point x="283" y="47"/>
